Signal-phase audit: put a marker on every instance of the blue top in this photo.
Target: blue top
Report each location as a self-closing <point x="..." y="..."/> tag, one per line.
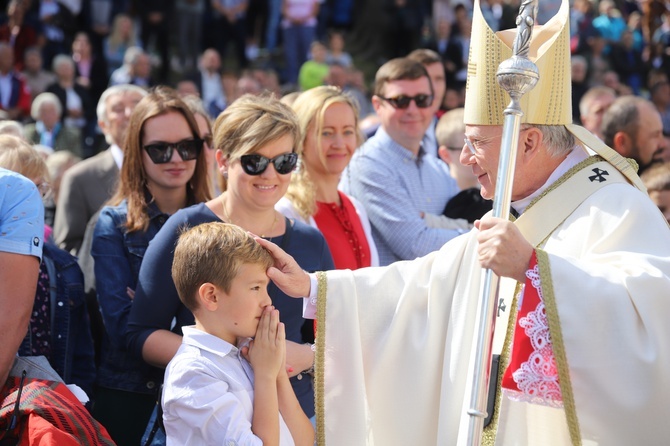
<point x="157" y="303"/>
<point x="395" y="186"/>
<point x="118" y="255"/>
<point x="70" y="344"/>
<point x="21" y="215"/>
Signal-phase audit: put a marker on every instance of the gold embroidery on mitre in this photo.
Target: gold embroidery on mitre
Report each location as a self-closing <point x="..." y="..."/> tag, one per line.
<point x="550" y="102"/>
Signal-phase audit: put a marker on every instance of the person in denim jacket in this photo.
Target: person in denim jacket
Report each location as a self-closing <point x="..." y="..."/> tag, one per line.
<point x="164" y="170"/>
<point x="70" y="345"/>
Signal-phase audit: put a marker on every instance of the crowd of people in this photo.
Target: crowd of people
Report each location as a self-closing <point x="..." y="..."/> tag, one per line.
<point x="118" y="135"/>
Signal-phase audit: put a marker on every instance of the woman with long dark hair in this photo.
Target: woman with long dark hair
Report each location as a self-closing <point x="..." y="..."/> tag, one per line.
<point x="164" y="169"/>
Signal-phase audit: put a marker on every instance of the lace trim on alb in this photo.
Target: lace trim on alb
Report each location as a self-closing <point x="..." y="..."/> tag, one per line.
<point x="537" y="378"/>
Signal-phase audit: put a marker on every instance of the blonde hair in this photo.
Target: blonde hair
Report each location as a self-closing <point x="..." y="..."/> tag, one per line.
<point x="450" y="126"/>
<point x="19" y="156"/>
<point x="252" y="122"/>
<point x="657" y="177"/>
<point x="311" y="108"/>
<point x="116" y="39"/>
<point x="213" y="253"/>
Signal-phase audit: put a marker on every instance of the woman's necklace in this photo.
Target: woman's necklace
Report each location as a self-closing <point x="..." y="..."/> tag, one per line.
<point x="230" y="220"/>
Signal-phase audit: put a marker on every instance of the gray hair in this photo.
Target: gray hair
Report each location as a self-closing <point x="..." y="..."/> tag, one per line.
<point x="13" y="128"/>
<point x="101" y="109"/>
<point x="45" y="98"/>
<point x="557" y="139"/>
<point x="579" y="60"/>
<point x="131" y="55"/>
<point x="60" y="60"/>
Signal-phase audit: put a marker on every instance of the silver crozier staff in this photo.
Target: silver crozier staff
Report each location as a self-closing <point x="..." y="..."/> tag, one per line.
<point x="517" y="76"/>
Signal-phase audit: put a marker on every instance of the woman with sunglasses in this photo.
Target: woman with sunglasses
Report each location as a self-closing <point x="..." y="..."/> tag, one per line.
<point x="164" y="169"/>
<point x="329" y="123"/>
<point x="257" y="142"/>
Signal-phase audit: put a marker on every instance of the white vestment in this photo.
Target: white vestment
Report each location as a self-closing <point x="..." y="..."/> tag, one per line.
<point x="394" y="343"/>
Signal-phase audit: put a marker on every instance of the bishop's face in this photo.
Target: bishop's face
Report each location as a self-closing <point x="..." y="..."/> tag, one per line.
<point x="481" y="153"/>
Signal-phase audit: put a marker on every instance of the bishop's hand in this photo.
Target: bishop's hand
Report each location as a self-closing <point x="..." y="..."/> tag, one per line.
<point x="502" y="248"/>
<point x="286" y="273"/>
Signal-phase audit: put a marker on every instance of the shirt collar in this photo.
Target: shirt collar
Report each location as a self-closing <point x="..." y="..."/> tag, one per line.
<point x="395" y="148"/>
<point x="152" y="207"/>
<point x="117" y="154"/>
<point x="205" y="341"/>
<point x="575" y="157"/>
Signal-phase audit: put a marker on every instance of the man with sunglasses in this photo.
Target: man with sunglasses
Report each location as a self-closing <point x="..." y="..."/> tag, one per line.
<point x="395" y="177"/>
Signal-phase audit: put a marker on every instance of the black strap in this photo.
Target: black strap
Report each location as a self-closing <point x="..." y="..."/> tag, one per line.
<point x="493" y="389"/>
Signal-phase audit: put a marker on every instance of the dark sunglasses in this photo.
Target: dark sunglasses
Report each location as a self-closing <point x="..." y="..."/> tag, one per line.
<point x="161" y="152"/>
<point x="256" y="164"/>
<point x="402" y="101"/>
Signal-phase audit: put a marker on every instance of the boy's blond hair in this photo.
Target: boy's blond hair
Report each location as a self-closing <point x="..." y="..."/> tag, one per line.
<point x="213" y="253"/>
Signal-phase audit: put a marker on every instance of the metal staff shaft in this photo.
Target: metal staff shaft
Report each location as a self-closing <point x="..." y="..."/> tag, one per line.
<point x="516" y="75"/>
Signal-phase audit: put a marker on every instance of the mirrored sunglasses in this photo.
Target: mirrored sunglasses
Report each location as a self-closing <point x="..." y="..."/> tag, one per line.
<point x="256" y="164"/>
<point x="161" y="152"/>
<point x="402" y="101"/>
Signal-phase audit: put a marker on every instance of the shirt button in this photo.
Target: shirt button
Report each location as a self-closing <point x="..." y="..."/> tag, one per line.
<point x="151" y="385"/>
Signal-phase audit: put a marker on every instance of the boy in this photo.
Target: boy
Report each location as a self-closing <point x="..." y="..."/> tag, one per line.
<point x="215" y="392"/>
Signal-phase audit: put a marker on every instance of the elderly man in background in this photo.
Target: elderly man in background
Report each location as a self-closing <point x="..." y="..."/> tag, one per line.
<point x="87" y="185"/>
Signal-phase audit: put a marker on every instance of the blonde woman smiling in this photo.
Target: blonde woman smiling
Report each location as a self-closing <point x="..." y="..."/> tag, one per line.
<point x="329" y="122"/>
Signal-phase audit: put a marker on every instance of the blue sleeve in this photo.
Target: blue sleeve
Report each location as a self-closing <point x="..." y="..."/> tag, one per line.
<point x="83" y="359"/>
<point x="21" y="215"/>
<point x="156" y="301"/>
<point x="394" y="213"/>
<point x="327" y="262"/>
<point x="73" y="357"/>
<point x="113" y="274"/>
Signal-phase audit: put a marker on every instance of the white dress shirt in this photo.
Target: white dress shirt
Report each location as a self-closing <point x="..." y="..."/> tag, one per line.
<point x="208" y="395"/>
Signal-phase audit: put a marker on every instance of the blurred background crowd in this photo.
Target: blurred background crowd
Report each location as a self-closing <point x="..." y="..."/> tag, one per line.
<point x="221" y="49"/>
<point x="73" y="71"/>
